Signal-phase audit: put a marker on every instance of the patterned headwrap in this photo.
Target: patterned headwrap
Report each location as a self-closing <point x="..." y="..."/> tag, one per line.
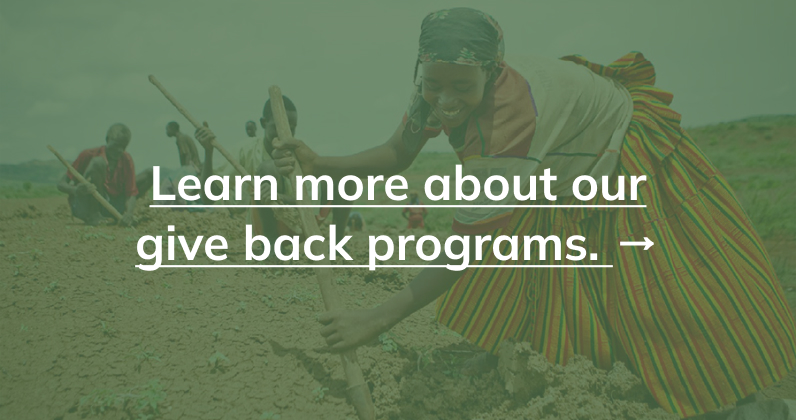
<point x="459" y="36"/>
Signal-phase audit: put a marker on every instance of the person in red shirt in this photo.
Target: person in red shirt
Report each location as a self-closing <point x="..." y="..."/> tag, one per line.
<point x="414" y="215"/>
<point x="111" y="172"/>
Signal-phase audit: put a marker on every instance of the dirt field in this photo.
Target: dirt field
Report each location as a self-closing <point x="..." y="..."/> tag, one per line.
<point x="85" y="334"/>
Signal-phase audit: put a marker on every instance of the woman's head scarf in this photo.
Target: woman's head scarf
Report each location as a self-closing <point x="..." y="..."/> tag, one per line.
<point x="458" y="36"/>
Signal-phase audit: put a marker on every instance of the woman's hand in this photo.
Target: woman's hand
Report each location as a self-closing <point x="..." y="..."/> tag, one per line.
<point x="205" y="136"/>
<point x="347" y="330"/>
<point x="286" y="155"/>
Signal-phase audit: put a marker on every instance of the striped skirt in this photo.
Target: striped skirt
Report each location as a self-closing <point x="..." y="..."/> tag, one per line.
<point x="700" y="316"/>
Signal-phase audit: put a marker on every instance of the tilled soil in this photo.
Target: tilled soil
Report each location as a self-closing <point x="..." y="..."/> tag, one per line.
<point x="85" y="334"/>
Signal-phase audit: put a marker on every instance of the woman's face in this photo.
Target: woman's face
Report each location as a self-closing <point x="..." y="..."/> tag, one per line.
<point x="454" y="91"/>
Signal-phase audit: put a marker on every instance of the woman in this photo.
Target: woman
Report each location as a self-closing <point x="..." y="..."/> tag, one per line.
<point x="700" y="316"/>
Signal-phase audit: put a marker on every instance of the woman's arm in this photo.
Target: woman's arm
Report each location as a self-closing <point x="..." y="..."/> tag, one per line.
<point x="389" y="158"/>
<point x="346" y="330"/>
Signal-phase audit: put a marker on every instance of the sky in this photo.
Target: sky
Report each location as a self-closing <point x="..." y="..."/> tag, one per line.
<point x="70" y="69"/>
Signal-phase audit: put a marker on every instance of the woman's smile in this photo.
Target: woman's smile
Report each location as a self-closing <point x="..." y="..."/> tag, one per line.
<point x="451" y="113"/>
<point x="453" y="90"/>
<point x="450" y="117"/>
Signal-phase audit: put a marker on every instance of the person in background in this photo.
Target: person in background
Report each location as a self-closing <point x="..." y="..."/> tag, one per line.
<point x="250" y="153"/>
<point x="190" y="164"/>
<point x="356" y="223"/>
<point x="111" y="172"/>
<point x="256" y="159"/>
<point x="189" y="156"/>
<point x="415" y="216"/>
<point x="251" y="129"/>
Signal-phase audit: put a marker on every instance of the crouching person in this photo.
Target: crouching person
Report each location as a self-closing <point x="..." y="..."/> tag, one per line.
<point x="111" y="172"/>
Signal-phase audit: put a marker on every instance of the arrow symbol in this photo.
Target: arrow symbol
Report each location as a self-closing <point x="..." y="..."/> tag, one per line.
<point x="647" y="243"/>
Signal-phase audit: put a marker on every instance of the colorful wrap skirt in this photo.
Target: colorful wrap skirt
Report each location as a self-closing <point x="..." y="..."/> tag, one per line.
<point x="700" y="316"/>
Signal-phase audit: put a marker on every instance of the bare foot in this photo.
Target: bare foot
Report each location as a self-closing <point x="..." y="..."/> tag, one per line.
<point x="479" y="365"/>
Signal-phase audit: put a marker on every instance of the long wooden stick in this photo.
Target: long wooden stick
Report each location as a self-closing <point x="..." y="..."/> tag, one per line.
<point x="82" y="180"/>
<point x="358" y="389"/>
<point x="197" y="124"/>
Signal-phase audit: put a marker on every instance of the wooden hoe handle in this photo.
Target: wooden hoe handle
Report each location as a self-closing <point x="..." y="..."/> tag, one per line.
<point x="197" y="124"/>
<point x="358" y="390"/>
<point x="82" y="180"/>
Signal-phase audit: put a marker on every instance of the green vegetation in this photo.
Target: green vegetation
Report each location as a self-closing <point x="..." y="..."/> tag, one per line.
<point x="107" y="330"/>
<point x="300" y="294"/>
<point x="35" y="172"/>
<point x="425" y="356"/>
<point x="757" y="157"/>
<point x="51" y="287"/>
<point x="267" y="300"/>
<point x="145" y="356"/>
<point x="452" y="368"/>
<point x="387" y="343"/>
<point x="319" y="393"/>
<point x="26" y="189"/>
<point x="218" y="362"/>
<point x="141" y="402"/>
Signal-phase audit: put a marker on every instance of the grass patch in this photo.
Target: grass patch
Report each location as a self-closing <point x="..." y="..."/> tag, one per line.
<point x="757" y="157"/>
<point x="27" y="189"/>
